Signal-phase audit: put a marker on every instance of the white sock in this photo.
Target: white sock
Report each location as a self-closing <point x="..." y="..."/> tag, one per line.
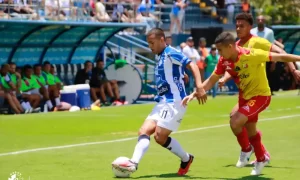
<point x="174" y="146"/>
<point x="57" y="101"/>
<point x="28" y="105"/>
<point x="140" y="148"/>
<point x="49" y="104"/>
<point x="24" y="106"/>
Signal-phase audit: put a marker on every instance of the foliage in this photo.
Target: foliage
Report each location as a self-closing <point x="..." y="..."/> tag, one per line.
<point x="279" y="11"/>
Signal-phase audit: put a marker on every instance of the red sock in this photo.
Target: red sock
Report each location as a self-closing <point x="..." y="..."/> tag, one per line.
<point x="259" y="132"/>
<point x="243" y="140"/>
<point x="258" y="147"/>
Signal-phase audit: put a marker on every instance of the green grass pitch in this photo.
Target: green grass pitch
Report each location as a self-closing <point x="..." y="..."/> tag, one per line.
<point x="82" y="145"/>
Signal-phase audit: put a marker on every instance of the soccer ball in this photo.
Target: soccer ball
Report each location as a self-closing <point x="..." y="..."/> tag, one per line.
<point x="121" y="172"/>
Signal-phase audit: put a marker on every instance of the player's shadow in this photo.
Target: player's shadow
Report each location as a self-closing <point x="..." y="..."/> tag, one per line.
<point x="168" y="175"/>
<point x="268" y="166"/>
<point x="174" y="175"/>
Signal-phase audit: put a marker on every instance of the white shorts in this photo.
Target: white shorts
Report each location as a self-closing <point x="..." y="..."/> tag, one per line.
<point x="35" y="91"/>
<point x="167" y="115"/>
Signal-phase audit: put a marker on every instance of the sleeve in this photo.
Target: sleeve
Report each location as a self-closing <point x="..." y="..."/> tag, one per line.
<point x="197" y="55"/>
<point x="179" y="59"/>
<point x="219" y="70"/>
<point x="262" y="44"/>
<point x="271" y="37"/>
<point x="7" y="78"/>
<point x="258" y="56"/>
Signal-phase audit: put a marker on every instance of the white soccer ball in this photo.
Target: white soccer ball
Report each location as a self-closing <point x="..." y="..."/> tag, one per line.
<point x="121" y="172"/>
<point x="74" y="109"/>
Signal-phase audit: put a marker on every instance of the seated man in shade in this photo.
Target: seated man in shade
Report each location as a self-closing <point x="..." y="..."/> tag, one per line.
<point x="50" y="81"/>
<point x="99" y="83"/>
<point x="83" y="76"/>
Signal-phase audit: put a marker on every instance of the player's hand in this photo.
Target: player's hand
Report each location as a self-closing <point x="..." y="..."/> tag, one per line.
<point x="187" y="99"/>
<point x="201" y="95"/>
<point x="296" y="75"/>
<point x="18" y="75"/>
<point x="221" y="82"/>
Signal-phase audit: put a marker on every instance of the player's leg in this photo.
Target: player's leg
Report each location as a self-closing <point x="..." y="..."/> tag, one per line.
<point x="146" y="130"/>
<point x="55" y="92"/>
<point x="162" y="137"/>
<point x="94" y="91"/>
<point x="143" y="143"/>
<point x="45" y="93"/>
<point x="170" y="116"/>
<point x="253" y="107"/>
<point x="243" y="140"/>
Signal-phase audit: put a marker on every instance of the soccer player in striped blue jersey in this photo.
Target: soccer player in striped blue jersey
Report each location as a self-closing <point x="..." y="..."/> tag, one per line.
<point x="167" y="114"/>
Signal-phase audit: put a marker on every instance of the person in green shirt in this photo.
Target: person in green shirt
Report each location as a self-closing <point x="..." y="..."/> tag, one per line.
<point x="36" y="83"/>
<point x="50" y="81"/>
<point x="9" y="89"/>
<point x="211" y="61"/>
<point x="29" y="102"/>
<point x="57" y="81"/>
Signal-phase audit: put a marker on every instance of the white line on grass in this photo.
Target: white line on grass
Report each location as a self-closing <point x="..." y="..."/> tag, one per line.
<point x="131" y="138"/>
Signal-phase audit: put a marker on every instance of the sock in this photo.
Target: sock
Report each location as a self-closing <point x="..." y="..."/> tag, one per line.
<point x="243" y="140"/>
<point x="174" y="146"/>
<point x="49" y="104"/>
<point x="141" y="148"/>
<point x="258" y="147"/>
<point x="57" y="101"/>
<point x="264" y="148"/>
<point x="23" y="104"/>
<point x="28" y="105"/>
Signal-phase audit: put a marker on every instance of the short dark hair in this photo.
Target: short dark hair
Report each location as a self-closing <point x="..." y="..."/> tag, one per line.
<point x="86" y="63"/>
<point x="158" y="32"/>
<point x="225" y="38"/>
<point x="245" y="16"/>
<point x="36" y="65"/>
<point x="46" y="63"/>
<point x="27" y="66"/>
<point x="12" y="63"/>
<point x="168" y="37"/>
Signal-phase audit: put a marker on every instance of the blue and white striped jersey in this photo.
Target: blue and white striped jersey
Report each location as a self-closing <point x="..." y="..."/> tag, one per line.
<point x="169" y="73"/>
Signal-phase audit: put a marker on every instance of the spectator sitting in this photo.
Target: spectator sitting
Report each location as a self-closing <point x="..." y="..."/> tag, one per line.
<point x="58" y="82"/>
<point x="100" y="13"/>
<point x="83" y="76"/>
<point x="50" y="81"/>
<point x="29" y="102"/>
<point x="100" y="81"/>
<point x="36" y="84"/>
<point x="118" y="13"/>
<point x="10" y="90"/>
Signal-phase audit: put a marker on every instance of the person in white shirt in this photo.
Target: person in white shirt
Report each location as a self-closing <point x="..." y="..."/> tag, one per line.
<point x="190" y="52"/>
<point x="263" y="31"/>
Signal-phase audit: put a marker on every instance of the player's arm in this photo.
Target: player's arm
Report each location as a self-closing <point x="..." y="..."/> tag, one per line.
<point x="10" y="83"/>
<point x="284" y="57"/>
<point x="200" y="92"/>
<point x="291" y="65"/>
<point x="196" y="74"/>
<point x="211" y="81"/>
<point x="181" y="60"/>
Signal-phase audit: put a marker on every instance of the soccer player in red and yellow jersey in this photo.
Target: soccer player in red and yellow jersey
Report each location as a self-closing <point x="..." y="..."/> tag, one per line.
<point x="244" y="22"/>
<point x="246" y="67"/>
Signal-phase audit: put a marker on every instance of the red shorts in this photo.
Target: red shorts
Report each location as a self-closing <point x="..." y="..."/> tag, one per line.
<point x="252" y="107"/>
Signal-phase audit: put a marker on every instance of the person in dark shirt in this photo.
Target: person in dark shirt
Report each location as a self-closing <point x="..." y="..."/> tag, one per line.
<point x="83" y="76"/>
<point x="100" y="84"/>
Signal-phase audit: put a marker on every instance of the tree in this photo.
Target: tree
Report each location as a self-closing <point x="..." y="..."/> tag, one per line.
<point x="279" y="11"/>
